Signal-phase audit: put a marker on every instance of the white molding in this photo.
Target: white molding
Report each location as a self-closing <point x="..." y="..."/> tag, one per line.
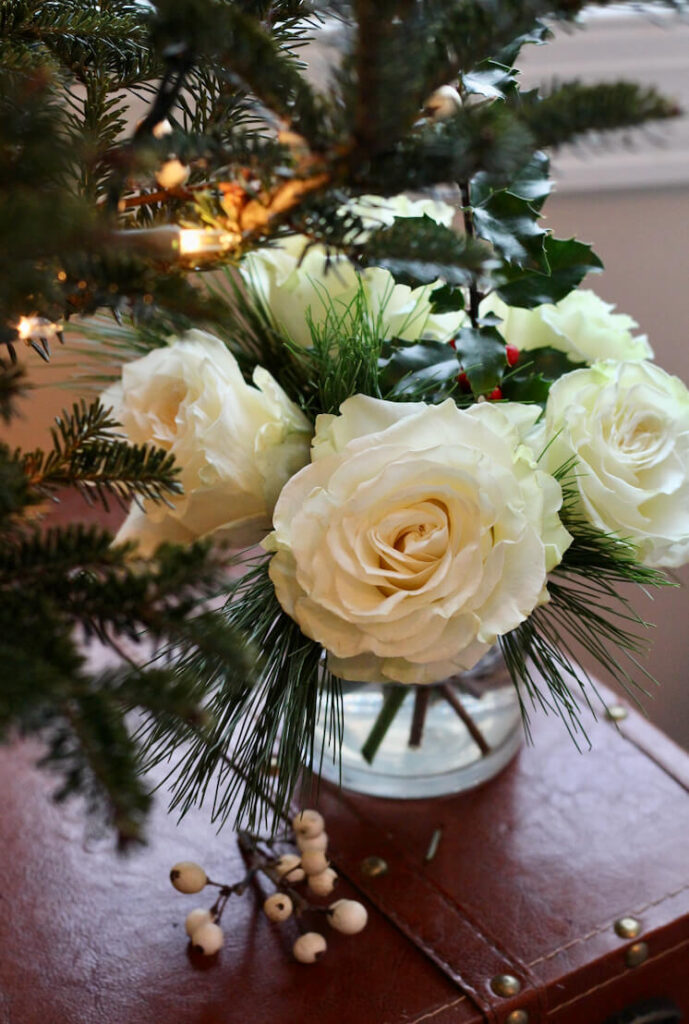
<point x="613" y="43"/>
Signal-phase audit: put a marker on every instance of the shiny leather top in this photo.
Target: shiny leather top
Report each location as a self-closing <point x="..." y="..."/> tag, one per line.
<point x="530" y="875"/>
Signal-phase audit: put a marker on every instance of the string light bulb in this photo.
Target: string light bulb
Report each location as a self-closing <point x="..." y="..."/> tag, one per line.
<point x="200" y="241"/>
<point x="37" y="333"/>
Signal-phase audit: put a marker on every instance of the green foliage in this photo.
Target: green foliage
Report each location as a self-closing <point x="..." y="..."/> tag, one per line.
<point x="416" y="250"/>
<point x="586" y="607"/>
<point x="567" y="262"/>
<point x="262" y="736"/>
<point x="573" y="109"/>
<point x="481" y="353"/>
<point x="87" y="455"/>
<point x="530" y="379"/>
<point x="425" y="371"/>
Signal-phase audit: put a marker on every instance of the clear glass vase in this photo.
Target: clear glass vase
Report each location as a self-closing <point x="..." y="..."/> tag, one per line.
<point x="441" y="738"/>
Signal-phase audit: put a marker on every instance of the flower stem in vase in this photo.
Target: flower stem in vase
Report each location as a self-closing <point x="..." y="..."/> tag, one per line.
<point x="392" y="702"/>
<point x="457" y="706"/>
<point x="422" y="696"/>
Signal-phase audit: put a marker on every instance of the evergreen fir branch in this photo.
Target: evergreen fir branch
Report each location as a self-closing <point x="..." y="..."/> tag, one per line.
<point x="262" y="735"/>
<point x="250" y="52"/>
<point x="15" y="494"/>
<point x="13" y="386"/>
<point x="114" y="468"/>
<point x="96" y="757"/>
<point x="86" y="455"/>
<point x="417" y="250"/>
<point x="572" y="109"/>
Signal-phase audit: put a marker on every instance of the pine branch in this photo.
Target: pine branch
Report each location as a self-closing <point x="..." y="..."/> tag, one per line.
<point x="572" y="109"/>
<point x="262" y="735"/>
<point x="587" y="607"/>
<point x="13" y="386"/>
<point x="87" y="456"/>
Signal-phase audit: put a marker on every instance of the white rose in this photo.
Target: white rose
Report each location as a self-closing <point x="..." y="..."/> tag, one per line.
<point x="581" y="325"/>
<point x="236" y="444"/>
<point x="417" y="536"/>
<point x="382" y="211"/>
<point x="627" y="424"/>
<point x="296" y="280"/>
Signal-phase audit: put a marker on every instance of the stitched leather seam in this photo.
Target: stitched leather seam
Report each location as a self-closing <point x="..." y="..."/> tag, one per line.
<point x="439" y="1009"/>
<point x="606" y="926"/>
<point x="610" y="981"/>
<point x="432" y="952"/>
<point x="449" y="903"/>
<point x="479" y="998"/>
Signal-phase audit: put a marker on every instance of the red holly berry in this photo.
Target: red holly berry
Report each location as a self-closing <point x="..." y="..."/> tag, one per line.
<point x="453" y="342"/>
<point x="512" y="354"/>
<point x="495" y="395"/>
<point x="463" y="382"/>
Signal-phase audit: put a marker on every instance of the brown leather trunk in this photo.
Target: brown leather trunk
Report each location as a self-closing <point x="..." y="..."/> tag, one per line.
<point x="530" y="876"/>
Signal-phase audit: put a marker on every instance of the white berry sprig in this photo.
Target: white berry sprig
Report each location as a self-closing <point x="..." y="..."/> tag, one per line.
<point x="284" y="871"/>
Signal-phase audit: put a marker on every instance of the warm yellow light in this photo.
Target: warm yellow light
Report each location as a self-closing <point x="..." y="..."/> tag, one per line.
<point x="26" y="327"/>
<point x="193" y="241"/>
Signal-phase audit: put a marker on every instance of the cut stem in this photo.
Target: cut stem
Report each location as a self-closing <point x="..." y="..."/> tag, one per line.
<point x="457" y="706"/>
<point x="421" y="698"/>
<point x="392" y="702"/>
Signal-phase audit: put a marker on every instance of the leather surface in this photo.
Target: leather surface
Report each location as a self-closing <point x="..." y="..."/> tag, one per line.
<point x="539" y="864"/>
<point x="530" y="874"/>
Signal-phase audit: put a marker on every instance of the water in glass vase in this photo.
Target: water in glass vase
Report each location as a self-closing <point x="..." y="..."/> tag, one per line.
<point x="442" y="739"/>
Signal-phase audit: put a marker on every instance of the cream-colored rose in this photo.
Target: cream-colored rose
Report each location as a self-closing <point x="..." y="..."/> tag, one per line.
<point x="236" y="444"/>
<point x="581" y="325"/>
<point x="297" y="281"/>
<point x="627" y="425"/>
<point x="417" y="536"/>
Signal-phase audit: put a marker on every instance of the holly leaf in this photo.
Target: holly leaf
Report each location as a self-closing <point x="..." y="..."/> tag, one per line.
<point x="539" y="34"/>
<point x="447" y="299"/>
<point x="532" y="183"/>
<point x="533" y="374"/>
<point x="568" y="262"/>
<point x="511" y="224"/>
<point x="481" y="353"/>
<point x="424" y="371"/>
<point x="490" y="79"/>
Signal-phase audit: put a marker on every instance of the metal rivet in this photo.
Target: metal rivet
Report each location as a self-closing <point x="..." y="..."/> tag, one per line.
<point x="628" y="927"/>
<point x="637" y="954"/>
<point x="616" y="713"/>
<point x="518" y="1017"/>
<point x="506" y="985"/>
<point x="373" y="867"/>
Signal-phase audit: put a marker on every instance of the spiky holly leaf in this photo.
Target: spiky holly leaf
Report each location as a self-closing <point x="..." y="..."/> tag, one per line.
<point x="425" y="371"/>
<point x="481" y="353"/>
<point x="447" y="299"/>
<point x="568" y="262"/>
<point x="511" y="224"/>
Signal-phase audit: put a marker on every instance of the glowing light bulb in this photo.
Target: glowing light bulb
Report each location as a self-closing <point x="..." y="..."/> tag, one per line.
<point x="196" y="241"/>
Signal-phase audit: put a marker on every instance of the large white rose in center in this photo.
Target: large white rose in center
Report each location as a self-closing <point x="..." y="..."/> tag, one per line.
<point x="417" y="536"/>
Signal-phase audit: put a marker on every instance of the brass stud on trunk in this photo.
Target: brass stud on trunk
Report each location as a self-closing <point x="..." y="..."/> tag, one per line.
<point x="637" y="954"/>
<point x="627" y="927"/>
<point x="518" y="1017"/>
<point x="373" y="867"/>
<point x="505" y="985"/>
